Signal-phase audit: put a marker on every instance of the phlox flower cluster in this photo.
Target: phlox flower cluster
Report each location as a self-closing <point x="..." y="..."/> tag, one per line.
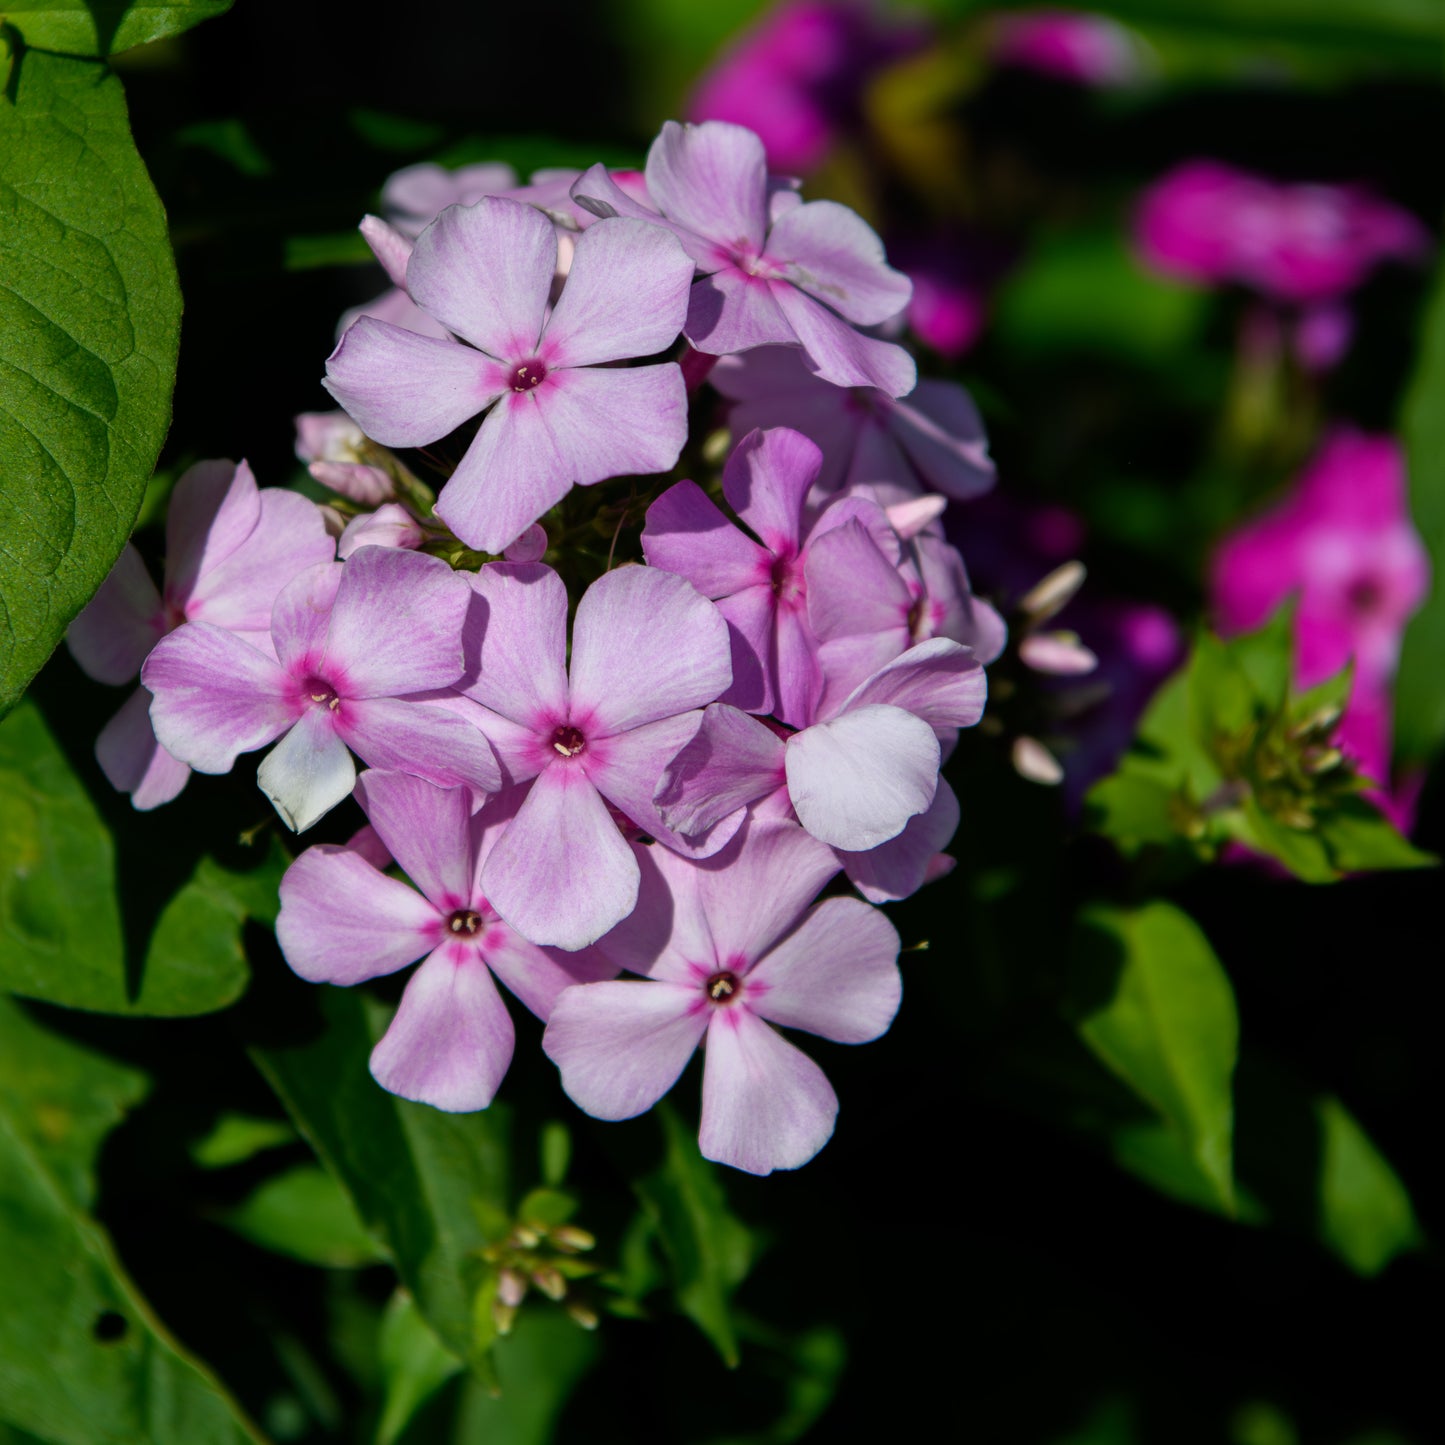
<point x="748" y="702"/>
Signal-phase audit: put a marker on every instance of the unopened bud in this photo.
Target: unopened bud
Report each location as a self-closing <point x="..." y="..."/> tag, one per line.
<point x="503" y="1316"/>
<point x="1054" y="592"/>
<point x="1060" y="654"/>
<point x="1324" y="761"/>
<point x="1032" y="760"/>
<point x="511" y="1288"/>
<point x="716" y="446"/>
<point x="1320" y="723"/>
<point x="571" y="1240"/>
<point x="549" y="1281"/>
<point x="525" y="1237"/>
<point x="582" y="1315"/>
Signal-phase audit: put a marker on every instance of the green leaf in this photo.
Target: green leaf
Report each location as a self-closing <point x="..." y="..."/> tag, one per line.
<point x="304" y="1214"/>
<point x="1302" y="851"/>
<point x="1419" y="698"/>
<point x="1136" y="811"/>
<point x="708" y="1248"/>
<point x="236" y="1138"/>
<point x="1365" y="1211"/>
<point x="230" y="140"/>
<point x="1360" y="838"/>
<point x="61" y="938"/>
<point x="104" y="27"/>
<point x="1085" y="291"/>
<point x="336" y="248"/>
<point x="89" y="322"/>
<point x="82" y="1358"/>
<point x="414" y="1365"/>
<point x="415" y="1175"/>
<point x="1156" y="1008"/>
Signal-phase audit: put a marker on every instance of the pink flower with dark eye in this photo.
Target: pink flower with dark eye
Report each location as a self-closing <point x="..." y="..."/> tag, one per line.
<point x="230" y="549"/>
<point x="344" y="921"/>
<point x="729" y="948"/>
<point x="773" y="270"/>
<point x="557" y="413"/>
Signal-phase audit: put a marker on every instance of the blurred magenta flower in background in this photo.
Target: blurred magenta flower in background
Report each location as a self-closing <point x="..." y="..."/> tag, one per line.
<point x="797" y="77"/>
<point x="1068" y="45"/>
<point x="1342" y="541"/>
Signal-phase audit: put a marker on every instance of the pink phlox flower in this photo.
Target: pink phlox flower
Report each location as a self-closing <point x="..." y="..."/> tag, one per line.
<point x="1342" y="540"/>
<point x="773" y="270"/>
<point x="758" y="585"/>
<point x="1069" y="45"/>
<point x="868" y="606"/>
<point x="413" y="197"/>
<point x="556" y="413"/>
<point x="728" y="948"/>
<point x="230" y="548"/>
<point x="339" y="456"/>
<point x="896" y="449"/>
<point x="344" y="921"/>
<point x="355" y="644"/>
<point x="797" y="77"/>
<point x="1296" y="243"/>
<point x="855" y="776"/>
<point x="647" y="652"/>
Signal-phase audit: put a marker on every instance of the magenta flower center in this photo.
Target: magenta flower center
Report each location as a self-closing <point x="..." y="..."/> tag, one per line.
<point x="787" y="579"/>
<point x="723" y="988"/>
<point x="568" y="741"/>
<point x="464" y="923"/>
<point x="318" y="691"/>
<point x="529" y="375"/>
<point x="1365" y="595"/>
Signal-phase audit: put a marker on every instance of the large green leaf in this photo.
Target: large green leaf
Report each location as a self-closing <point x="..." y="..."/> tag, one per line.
<point x="1419" y="697"/>
<point x="415" y="1175"/>
<point x="1156" y="1008"/>
<point x="104" y="27"/>
<point x="89" y="324"/>
<point x="61" y="937"/>
<point x="708" y="1248"/>
<point x="82" y="1358"/>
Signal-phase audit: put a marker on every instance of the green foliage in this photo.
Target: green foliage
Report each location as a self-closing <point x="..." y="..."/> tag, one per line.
<point x="82" y="1358"/>
<point x="1156" y="1008"/>
<point x="417" y="1178"/>
<point x="303" y="1213"/>
<point x="1365" y="1212"/>
<point x="238" y="1137"/>
<point x="1228" y="751"/>
<point x="89" y="323"/>
<point x="1419" y="697"/>
<point x="60" y="920"/>
<point x="414" y="1365"/>
<point x="708" y="1249"/>
<point x="97" y="28"/>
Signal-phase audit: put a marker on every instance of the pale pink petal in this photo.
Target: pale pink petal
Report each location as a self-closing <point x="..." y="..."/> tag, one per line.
<point x="799" y="680"/>
<point x="731" y="761"/>
<point x="626" y="296"/>
<point x="835" y="255"/>
<point x="765" y="1104"/>
<point x="308" y="772"/>
<point x="485" y="271"/>
<point x="732" y="311"/>
<point x="766" y="482"/>
<point x="215" y="506"/>
<point x="902" y="865"/>
<point x="941" y="432"/>
<point x="597" y="194"/>
<point x="607" y="422"/>
<point x="213" y="696"/>
<point x="856" y="781"/>
<point x="524" y="647"/>
<point x="419" y="737"/>
<point x="751" y="617"/>
<point x="938" y="680"/>
<point x="342" y="921"/>
<point x="687" y="533"/>
<point x="133" y="761"/>
<point x="835" y="976"/>
<point x="666" y="934"/>
<point x="852" y="587"/>
<point x="120" y="624"/>
<point x="713" y="179"/>
<point x="301" y="615"/>
<point x="426" y="829"/>
<point x="847" y="662"/>
<point x="537" y="976"/>
<point x="406" y="390"/>
<point x="414" y="194"/>
<point x="395" y="308"/>
<point x="240" y="591"/>
<point x="837" y="352"/>
<point x="621" y="1046"/>
<point x="452" y="1038"/>
<point x="561" y="874"/>
<point x="528" y="546"/>
<point x="389" y="246"/>
<point x="645" y="645"/>
<point x="396" y="624"/>
<point x="511" y="474"/>
<point x="360" y="483"/>
<point x="754" y="891"/>
<point x="389" y="525"/>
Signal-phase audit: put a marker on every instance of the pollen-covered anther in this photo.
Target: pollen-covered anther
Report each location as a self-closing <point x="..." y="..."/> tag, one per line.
<point x="464" y="923"/>
<point x="722" y="987"/>
<point x="568" y="741"/>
